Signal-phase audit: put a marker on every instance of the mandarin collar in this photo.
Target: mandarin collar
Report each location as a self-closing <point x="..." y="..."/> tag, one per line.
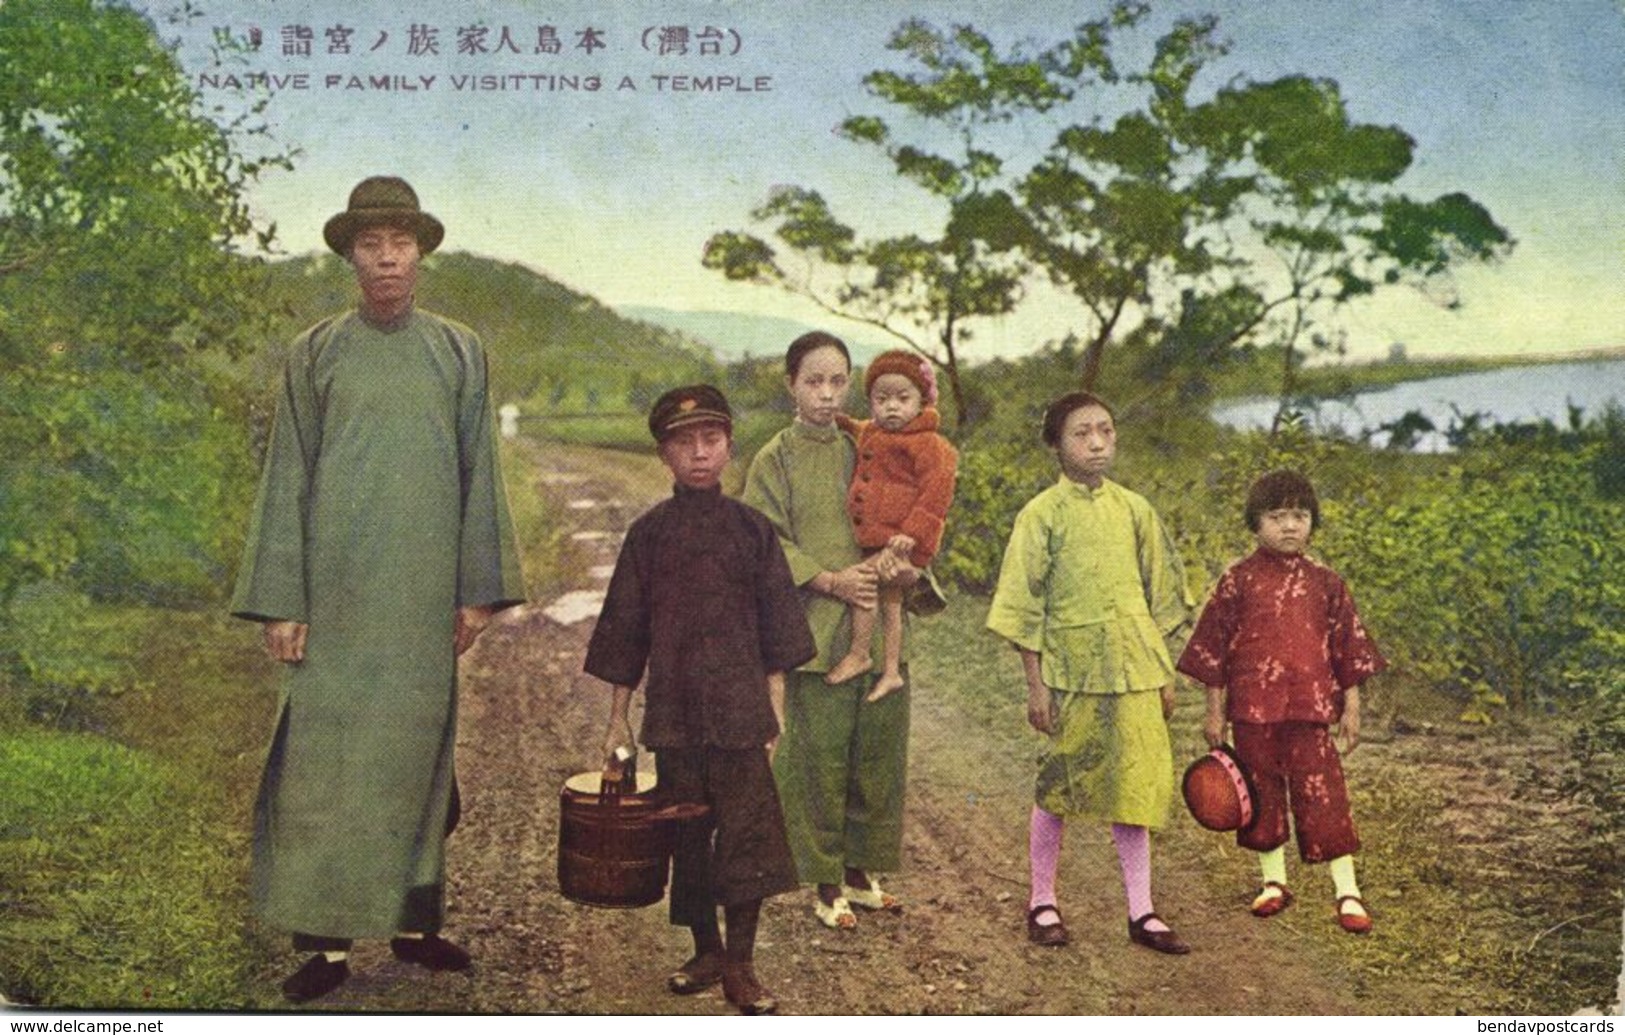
<point x="828" y="433"/>
<point x="684" y="492"/>
<point x="388" y="325"/>
<point x="1084" y="490"/>
<point x="1285" y="560"/>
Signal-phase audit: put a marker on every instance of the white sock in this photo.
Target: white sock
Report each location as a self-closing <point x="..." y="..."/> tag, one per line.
<point x="336" y="957"/>
<point x="1343" y="881"/>
<point x="1273" y="864"/>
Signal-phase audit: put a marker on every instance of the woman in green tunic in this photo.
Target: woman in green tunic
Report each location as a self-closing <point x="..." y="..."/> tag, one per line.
<point x="380" y="543"/>
<point x="841" y="760"/>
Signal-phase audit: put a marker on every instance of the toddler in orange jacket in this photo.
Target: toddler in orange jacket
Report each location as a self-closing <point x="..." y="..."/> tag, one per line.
<point x="898" y="502"/>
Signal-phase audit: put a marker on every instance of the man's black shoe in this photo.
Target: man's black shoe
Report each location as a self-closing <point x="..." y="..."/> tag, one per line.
<point x="316" y="978"/>
<point x="431" y="951"/>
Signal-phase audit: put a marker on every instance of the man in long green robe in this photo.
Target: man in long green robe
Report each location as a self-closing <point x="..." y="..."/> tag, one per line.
<point x="381" y="543"/>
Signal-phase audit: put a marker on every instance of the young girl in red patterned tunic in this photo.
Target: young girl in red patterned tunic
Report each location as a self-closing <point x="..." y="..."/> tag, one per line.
<point x="1282" y="654"/>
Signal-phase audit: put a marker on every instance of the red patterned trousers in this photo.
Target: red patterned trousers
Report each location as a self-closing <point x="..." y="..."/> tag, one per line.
<point x="1296" y="763"/>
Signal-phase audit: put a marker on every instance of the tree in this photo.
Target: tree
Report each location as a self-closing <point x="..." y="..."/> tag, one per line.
<point x="1195" y="226"/>
<point x="1185" y="226"/>
<point x="919" y="288"/>
<point x="121" y="208"/>
<point x="1112" y="214"/>
<point x="1124" y="216"/>
<point x="120" y="200"/>
<point x="1318" y="200"/>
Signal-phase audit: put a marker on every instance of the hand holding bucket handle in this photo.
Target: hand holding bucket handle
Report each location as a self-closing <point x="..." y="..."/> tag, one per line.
<point x="620" y="746"/>
<point x="620" y="778"/>
<point x="620" y="774"/>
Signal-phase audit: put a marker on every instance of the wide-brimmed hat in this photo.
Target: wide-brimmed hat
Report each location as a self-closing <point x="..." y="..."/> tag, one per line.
<point x="383" y="201"/>
<point x="691" y="404"/>
<point x="1218" y="791"/>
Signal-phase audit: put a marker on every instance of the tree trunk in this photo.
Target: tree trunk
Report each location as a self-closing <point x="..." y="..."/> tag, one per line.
<point x="951" y="368"/>
<point x="1095" y="355"/>
<point x="1286" y="364"/>
<point x="1092" y="357"/>
<point x="1286" y="390"/>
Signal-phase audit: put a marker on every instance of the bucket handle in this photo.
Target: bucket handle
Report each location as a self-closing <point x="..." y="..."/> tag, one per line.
<point x="620" y="775"/>
<point x="681" y="811"/>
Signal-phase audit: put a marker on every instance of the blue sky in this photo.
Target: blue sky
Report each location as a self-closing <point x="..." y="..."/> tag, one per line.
<point x="615" y="191"/>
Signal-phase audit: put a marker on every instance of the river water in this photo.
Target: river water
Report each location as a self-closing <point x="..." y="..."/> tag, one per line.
<point x="1507" y="395"/>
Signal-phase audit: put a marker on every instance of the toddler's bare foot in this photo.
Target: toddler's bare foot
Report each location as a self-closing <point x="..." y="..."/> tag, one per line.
<point x="885" y="685"/>
<point x="849" y="667"/>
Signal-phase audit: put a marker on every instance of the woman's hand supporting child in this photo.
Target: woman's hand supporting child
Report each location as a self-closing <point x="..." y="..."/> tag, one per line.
<point x="856" y="585"/>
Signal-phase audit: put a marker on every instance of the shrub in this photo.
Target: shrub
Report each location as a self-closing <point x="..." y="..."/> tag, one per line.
<point x="120" y="484"/>
<point x="1490" y="575"/>
<point x="1500" y="577"/>
<point x="62" y="648"/>
<point x="995" y="482"/>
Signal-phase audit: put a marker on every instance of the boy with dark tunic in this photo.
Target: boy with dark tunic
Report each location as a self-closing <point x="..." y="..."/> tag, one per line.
<point x="380" y="546"/>
<point x="702" y="600"/>
<point x="1282" y="653"/>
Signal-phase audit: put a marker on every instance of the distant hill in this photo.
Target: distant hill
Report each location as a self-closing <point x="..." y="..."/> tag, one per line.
<point x="552" y="349"/>
<point x="738" y="335"/>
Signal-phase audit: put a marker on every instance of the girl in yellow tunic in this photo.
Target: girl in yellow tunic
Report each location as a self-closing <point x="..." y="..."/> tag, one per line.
<point x="1090" y="590"/>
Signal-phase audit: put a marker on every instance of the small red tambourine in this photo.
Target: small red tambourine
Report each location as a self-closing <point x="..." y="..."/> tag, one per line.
<point x="1218" y="792"/>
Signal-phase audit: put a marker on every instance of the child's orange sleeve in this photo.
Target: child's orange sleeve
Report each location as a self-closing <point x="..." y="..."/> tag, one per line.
<point x="936" y="466"/>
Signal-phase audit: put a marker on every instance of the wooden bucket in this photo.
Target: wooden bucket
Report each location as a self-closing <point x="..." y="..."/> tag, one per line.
<point x="614" y="848"/>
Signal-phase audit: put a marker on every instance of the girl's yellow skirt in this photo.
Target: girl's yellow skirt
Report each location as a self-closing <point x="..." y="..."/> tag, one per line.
<point x="1109" y="759"/>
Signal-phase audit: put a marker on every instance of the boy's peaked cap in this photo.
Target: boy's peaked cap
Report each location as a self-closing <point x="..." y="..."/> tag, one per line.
<point x="691" y="404"/>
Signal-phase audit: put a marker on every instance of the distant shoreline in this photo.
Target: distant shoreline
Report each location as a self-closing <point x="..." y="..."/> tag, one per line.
<point x="1509" y="359"/>
<point x="1342" y="378"/>
<point x="1362" y="401"/>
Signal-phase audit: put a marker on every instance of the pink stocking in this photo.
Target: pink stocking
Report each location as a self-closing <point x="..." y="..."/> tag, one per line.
<point x="1134" y="855"/>
<point x="1044" y="850"/>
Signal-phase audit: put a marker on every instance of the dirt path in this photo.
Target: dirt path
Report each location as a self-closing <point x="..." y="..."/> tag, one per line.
<point x="530" y="720"/>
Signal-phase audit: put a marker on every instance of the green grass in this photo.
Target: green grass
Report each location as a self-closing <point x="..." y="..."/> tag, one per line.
<point x="124" y="851"/>
<point x="120" y="888"/>
<point x="627" y="431"/>
<point x="1447" y="922"/>
<point x="536" y="530"/>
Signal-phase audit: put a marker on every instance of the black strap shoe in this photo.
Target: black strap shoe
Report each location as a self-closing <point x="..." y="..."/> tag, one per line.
<point x="1052" y="935"/>
<point x="315" y="979"/>
<point x="1162" y="941"/>
<point x="698" y="974"/>
<point x="431" y="951"/>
